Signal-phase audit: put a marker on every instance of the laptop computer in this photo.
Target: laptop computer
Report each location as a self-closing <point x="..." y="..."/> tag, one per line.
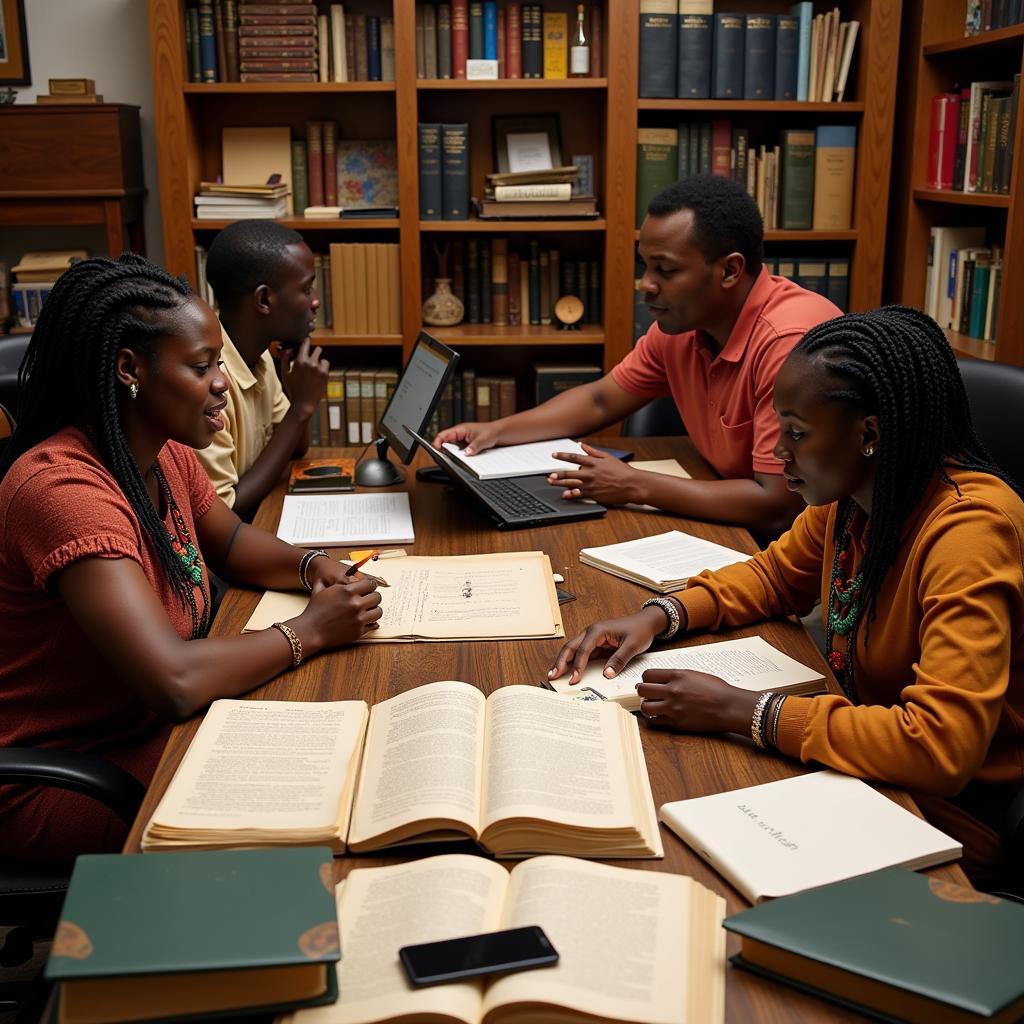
<point x="516" y="503"/>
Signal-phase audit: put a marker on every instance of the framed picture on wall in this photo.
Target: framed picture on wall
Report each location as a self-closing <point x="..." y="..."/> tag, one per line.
<point x="14" y="68"/>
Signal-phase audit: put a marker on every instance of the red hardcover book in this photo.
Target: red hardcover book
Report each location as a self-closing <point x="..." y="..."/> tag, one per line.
<point x="315" y="162"/>
<point x="330" y="166"/>
<point x="279" y="8"/>
<point x="231" y="39"/>
<point x="515" y="311"/>
<point x="721" y="148"/>
<point x="278" y="64"/>
<point x="362" y="70"/>
<point x="291" y="32"/>
<point x="276" y="53"/>
<point x="278" y="76"/>
<point x="942" y="141"/>
<point x="502" y="55"/>
<point x="514" y="41"/>
<point x="460" y="37"/>
<point x="305" y="43"/>
<point x="222" y="59"/>
<point x="350" y="46"/>
<point x="266" y="20"/>
<point x="596" y="42"/>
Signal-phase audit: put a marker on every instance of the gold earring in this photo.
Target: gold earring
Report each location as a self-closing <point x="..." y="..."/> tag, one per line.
<point x="869" y="451"/>
<point x="133" y="389"/>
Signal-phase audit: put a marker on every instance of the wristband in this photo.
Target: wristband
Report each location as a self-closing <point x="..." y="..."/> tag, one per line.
<point x="757" y="721"/>
<point x="671" y="609"/>
<point x="304" y="566"/>
<point x="293" y="639"/>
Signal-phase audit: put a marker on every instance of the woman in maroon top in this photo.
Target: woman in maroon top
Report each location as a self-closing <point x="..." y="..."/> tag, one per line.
<point x="107" y="522"/>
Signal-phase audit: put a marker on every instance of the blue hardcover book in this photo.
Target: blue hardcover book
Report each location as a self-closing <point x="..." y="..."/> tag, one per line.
<point x="372" y="48"/>
<point x="658" y="43"/>
<point x="787" y="56"/>
<point x="727" y="57"/>
<point x="759" y="57"/>
<point x="476" y="30"/>
<point x="805" y="12"/>
<point x="490" y="30"/>
<point x="455" y="171"/>
<point x="839" y="282"/>
<point x="430" y="171"/>
<point x="683" y="158"/>
<point x="207" y="42"/>
<point x="693" y="81"/>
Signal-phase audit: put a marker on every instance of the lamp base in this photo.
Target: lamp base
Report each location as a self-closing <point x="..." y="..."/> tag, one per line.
<point x="379" y="471"/>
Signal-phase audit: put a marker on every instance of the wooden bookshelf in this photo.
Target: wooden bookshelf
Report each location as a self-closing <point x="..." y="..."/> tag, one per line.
<point x="597" y="115"/>
<point x="936" y="56"/>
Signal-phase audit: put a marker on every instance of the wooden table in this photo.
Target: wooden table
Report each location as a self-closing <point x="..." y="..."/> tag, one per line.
<point x="679" y="765"/>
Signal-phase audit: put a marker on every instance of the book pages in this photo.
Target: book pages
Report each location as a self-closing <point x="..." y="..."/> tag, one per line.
<point x="783" y="837"/>
<point x="533" y="459"/>
<point x="750" y="663"/>
<point x="263" y="770"/>
<point x="335" y="520"/>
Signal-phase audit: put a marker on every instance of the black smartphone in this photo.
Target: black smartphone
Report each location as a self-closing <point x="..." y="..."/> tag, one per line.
<point x="518" y="949"/>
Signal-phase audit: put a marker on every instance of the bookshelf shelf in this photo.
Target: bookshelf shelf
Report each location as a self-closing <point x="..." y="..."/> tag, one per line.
<point x="752" y="106"/>
<point x="523" y="334"/>
<point x="778" y="235"/>
<point x="973" y="348"/>
<point x="512" y="226"/>
<point x="990" y="199"/>
<point x="255" y="88"/>
<point x="525" y="84"/>
<point x="330" y="340"/>
<point x="997" y="39"/>
<point x="312" y="224"/>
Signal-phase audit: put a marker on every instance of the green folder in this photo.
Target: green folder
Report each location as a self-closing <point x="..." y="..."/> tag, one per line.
<point x="896" y="944"/>
<point x="168" y="936"/>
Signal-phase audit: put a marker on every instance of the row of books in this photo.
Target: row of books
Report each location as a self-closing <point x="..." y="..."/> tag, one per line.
<point x="348" y="173"/>
<point x="355" y="401"/>
<point x="506" y="286"/>
<point x="985" y="15"/>
<point x="444" y="171"/>
<point x="524" y="40"/>
<point x="688" y="50"/>
<point x="964" y="280"/>
<point x="805" y="183"/>
<point x="249" y="41"/>
<point x="216" y="201"/>
<point x="970" y="145"/>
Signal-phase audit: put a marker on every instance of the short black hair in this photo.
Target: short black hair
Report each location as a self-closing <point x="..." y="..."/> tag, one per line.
<point x="245" y="255"/>
<point x="726" y="219"/>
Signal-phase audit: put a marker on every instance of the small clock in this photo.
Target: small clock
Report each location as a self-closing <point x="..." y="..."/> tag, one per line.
<point x="569" y="312"/>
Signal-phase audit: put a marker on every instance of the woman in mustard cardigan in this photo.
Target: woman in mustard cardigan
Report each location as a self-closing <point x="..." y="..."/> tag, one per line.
<point x="914" y="541"/>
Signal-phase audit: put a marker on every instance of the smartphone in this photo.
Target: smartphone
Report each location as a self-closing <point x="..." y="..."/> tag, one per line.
<point x="518" y="949"/>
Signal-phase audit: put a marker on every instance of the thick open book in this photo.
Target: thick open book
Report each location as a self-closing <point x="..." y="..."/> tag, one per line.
<point x="750" y="663"/>
<point x="333" y="520"/>
<point x="530" y="459"/>
<point x="634" y="946"/>
<point x="663" y="562"/>
<point x="461" y="597"/>
<point x="522" y="772"/>
<point x="782" y="837"/>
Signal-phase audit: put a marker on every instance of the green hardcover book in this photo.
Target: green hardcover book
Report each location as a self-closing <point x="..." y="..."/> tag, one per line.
<point x="979" y="297"/>
<point x="300" y="177"/>
<point x="195" y="64"/>
<point x="187" y="935"/>
<point x="797" y="212"/>
<point x="657" y="164"/>
<point x="683" y="164"/>
<point x="894" y="943"/>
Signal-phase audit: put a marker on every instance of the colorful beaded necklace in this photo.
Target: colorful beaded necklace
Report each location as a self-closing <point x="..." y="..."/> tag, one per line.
<point x="181" y="539"/>
<point x="843" y="609"/>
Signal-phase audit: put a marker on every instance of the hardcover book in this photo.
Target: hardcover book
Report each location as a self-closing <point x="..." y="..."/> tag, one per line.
<point x="658" y="45"/>
<point x="656" y="164"/>
<point x="556" y="31"/>
<point x="455" y="171"/>
<point x="759" y="57"/>
<point x="727" y="57"/>
<point x="835" y="156"/>
<point x="797" y="207"/>
<point x="787" y="56"/>
<point x="430" y="172"/>
<point x="367" y="173"/>
<point x="693" y="80"/>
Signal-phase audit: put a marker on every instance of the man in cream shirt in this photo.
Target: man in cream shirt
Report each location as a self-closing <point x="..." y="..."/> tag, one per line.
<point x="262" y="277"/>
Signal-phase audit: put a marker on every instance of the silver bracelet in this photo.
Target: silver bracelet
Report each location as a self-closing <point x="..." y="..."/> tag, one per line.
<point x="757" y="719"/>
<point x="671" y="609"/>
<point x="773" y="736"/>
<point x="304" y="566"/>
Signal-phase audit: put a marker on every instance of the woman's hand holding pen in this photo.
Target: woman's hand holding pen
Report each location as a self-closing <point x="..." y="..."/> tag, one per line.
<point x="338" y="615"/>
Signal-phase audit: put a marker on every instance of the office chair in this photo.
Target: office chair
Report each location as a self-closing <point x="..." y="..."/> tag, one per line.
<point x="12" y="351"/>
<point x="658" y="418"/>
<point x="31" y="897"/>
<point x="995" y="392"/>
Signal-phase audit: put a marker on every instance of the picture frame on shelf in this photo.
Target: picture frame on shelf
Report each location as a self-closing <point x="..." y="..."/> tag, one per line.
<point x="14" y="66"/>
<point x="527" y="143"/>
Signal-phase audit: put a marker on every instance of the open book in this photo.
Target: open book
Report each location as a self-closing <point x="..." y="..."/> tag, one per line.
<point x="663" y="562"/>
<point x="636" y="946"/>
<point x="511" y="460"/>
<point x="783" y="837"/>
<point x="750" y="663"/>
<point x="461" y="597"/>
<point x="522" y="772"/>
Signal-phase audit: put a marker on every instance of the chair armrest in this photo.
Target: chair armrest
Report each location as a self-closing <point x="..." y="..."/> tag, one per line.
<point x="75" y="770"/>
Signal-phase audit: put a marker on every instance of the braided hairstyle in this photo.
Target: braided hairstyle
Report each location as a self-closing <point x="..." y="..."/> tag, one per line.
<point x="896" y="363"/>
<point x="68" y="376"/>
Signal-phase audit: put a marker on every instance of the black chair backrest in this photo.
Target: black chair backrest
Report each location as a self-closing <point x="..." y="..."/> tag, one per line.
<point x="995" y="392"/>
<point x="12" y="351"/>
<point x="658" y="418"/>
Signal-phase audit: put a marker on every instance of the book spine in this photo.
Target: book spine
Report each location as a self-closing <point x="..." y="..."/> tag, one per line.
<point x="594" y="310"/>
<point x="350" y="46"/>
<point x="330" y="139"/>
<point x="362" y="67"/>
<point x="514" y="30"/>
<point x="515" y="310"/>
<point x="469" y="395"/>
<point x="534" y="279"/>
<point x="231" y="40"/>
<point x="555" y="280"/>
<point x="473" y="280"/>
<point x="959" y="162"/>
<point x="787" y="56"/>
<point x="278" y="76"/>
<point x="839" y="282"/>
<point x="218" y="26"/>
<point x="694" y="78"/>
<point x="195" y="60"/>
<point x="460" y="37"/>
<point x="455" y="171"/>
<point x="476" y="30"/>
<point x="486" y="281"/>
<point x="490" y="29"/>
<point x="740" y="151"/>
<point x="373" y="49"/>
<point x="207" y="42"/>
<point x="315" y="161"/>
<point x="835" y="154"/>
<point x="502" y="44"/>
<point x="387" y="49"/>
<point x="556" y="54"/>
<point x="657" y="161"/>
<point x="444" y="41"/>
<point x="544" y="275"/>
<point x="308" y="32"/>
<point x="1011" y="129"/>
<point x="507" y="395"/>
<point x="805" y="12"/>
<point x="658" y="48"/>
<point x="300" y="178"/>
<point x="533" y="46"/>
<point x="721" y="148"/>
<point x="727" y="57"/>
<point x="979" y="300"/>
<point x="421" y="46"/>
<point x="459" y="270"/>
<point x="797" y="207"/>
<point x="429" y="41"/>
<point x="583" y="276"/>
<point x="596" y="42"/>
<point x="430" y="172"/>
<point x="759" y="57"/>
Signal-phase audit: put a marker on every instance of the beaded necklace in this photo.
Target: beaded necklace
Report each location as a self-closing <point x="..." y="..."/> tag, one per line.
<point x="183" y="546"/>
<point x="843" y="609"/>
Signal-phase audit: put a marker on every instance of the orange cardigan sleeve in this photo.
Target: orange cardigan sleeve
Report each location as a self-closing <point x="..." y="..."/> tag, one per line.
<point x="935" y="735"/>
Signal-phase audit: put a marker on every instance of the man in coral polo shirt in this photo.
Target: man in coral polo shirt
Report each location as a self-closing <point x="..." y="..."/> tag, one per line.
<point x="724" y="327"/>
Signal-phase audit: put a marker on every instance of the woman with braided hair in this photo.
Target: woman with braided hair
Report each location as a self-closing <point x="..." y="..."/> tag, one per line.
<point x="108" y="523"/>
<point x="914" y="541"/>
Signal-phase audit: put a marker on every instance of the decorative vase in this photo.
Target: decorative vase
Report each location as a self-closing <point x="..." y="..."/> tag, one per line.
<point x="443" y="308"/>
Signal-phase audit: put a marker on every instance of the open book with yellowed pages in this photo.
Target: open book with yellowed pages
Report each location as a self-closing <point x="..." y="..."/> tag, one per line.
<point x="751" y="663"/>
<point x="521" y="772"/>
<point x="500" y="596"/>
<point x="634" y="946"/>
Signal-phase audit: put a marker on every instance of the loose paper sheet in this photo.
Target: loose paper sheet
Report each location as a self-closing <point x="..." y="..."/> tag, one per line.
<point x="517" y="459"/>
<point x="340" y="519"/>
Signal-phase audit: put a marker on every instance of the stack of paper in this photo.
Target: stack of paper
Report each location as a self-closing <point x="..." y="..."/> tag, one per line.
<point x="531" y="459"/>
<point x="751" y="663"/>
<point x="333" y="520"/>
<point x="664" y="562"/>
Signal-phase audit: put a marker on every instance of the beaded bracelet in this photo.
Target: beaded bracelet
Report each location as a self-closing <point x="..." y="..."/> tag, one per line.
<point x="671" y="610"/>
<point x="293" y="639"/>
<point x="757" y="719"/>
<point x="304" y="565"/>
<point x="773" y="738"/>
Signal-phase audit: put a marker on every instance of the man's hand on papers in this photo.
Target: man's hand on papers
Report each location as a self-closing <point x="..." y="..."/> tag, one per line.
<point x="598" y="476"/>
<point x="474" y="437"/>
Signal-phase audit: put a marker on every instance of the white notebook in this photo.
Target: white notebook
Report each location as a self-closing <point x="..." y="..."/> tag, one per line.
<point x="516" y="459"/>
<point x="795" y="834"/>
<point x="334" y="520"/>
<point x="663" y="562"/>
<point x="750" y="663"/>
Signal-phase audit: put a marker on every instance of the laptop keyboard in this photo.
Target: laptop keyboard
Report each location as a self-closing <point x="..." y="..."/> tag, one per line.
<point x="514" y="501"/>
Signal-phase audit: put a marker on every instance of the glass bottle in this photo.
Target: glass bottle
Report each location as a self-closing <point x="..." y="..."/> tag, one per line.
<point x="579" y="52"/>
